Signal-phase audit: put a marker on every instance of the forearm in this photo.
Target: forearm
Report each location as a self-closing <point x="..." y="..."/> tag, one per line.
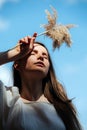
<point x="23" y="48"/>
<point x="8" y="56"/>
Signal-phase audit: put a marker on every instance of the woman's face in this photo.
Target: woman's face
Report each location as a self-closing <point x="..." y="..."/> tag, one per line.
<point x="36" y="62"/>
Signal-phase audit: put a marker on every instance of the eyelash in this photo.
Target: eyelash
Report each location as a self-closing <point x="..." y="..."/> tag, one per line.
<point x="44" y="55"/>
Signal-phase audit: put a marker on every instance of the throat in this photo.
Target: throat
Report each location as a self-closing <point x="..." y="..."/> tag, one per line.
<point x="31" y="96"/>
<point x="31" y="93"/>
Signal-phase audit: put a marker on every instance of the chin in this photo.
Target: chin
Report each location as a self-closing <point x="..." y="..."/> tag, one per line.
<point x="39" y="73"/>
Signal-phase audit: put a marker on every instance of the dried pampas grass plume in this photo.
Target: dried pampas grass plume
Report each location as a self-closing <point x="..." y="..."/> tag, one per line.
<point x="58" y="32"/>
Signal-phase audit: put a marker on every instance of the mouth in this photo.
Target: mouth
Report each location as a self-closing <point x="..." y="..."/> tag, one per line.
<point x="41" y="64"/>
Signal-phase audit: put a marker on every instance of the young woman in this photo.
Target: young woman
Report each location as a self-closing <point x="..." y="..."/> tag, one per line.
<point x="37" y="101"/>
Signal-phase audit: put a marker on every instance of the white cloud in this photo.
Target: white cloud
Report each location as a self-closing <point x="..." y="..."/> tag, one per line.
<point x="4" y="25"/>
<point x="2" y="2"/>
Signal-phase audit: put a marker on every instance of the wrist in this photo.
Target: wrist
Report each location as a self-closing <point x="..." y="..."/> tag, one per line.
<point x="12" y="53"/>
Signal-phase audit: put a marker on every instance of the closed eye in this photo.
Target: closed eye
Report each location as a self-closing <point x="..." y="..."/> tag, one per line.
<point x="45" y="55"/>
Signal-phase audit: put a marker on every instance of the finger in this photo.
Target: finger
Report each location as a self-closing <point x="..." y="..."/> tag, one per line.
<point x="35" y="34"/>
<point x="31" y="43"/>
<point x="21" y="40"/>
<point x="25" y="40"/>
<point x="29" y="39"/>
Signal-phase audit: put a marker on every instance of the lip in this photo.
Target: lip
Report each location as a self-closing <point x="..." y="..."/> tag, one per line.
<point x="41" y="64"/>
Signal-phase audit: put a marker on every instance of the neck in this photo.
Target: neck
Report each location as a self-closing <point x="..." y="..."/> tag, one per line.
<point x="31" y="89"/>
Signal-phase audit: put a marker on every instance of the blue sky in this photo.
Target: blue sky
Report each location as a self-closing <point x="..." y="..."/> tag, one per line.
<point x="19" y="18"/>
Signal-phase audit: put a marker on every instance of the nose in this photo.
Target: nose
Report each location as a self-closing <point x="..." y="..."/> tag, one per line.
<point x="40" y="57"/>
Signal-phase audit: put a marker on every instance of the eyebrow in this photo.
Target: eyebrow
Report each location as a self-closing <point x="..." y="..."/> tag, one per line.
<point x="36" y="51"/>
<point x="44" y="53"/>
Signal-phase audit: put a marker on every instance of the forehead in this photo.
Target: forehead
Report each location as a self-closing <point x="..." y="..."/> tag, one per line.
<point x="39" y="47"/>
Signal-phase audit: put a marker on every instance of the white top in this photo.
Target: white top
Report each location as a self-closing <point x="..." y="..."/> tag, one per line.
<point x="17" y="115"/>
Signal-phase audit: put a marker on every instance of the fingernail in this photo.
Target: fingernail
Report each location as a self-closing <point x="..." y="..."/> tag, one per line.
<point x="35" y="34"/>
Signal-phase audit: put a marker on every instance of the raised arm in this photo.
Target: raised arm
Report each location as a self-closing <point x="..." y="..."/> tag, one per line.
<point x="24" y="46"/>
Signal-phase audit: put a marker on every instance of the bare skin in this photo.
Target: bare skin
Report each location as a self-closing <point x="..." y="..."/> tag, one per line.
<point x="33" y="68"/>
<point x="24" y="47"/>
<point x="32" y="62"/>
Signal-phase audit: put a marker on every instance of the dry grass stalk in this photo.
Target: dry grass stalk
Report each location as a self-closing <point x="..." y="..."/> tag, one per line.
<point x="58" y="32"/>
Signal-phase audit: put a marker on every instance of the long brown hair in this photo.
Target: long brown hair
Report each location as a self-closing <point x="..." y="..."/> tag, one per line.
<point x="55" y="93"/>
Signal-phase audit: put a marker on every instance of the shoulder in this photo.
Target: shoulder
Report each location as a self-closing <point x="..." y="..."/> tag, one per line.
<point x="1" y="83"/>
<point x="8" y="95"/>
<point x="11" y="90"/>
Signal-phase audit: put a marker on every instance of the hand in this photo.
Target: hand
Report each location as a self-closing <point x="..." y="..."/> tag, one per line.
<point x="28" y="41"/>
<point x="25" y="46"/>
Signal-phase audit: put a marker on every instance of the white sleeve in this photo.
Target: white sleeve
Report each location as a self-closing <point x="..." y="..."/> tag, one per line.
<point x="2" y="103"/>
<point x="8" y="97"/>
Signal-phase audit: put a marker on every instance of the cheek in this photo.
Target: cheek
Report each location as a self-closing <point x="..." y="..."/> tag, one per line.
<point x="30" y="62"/>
